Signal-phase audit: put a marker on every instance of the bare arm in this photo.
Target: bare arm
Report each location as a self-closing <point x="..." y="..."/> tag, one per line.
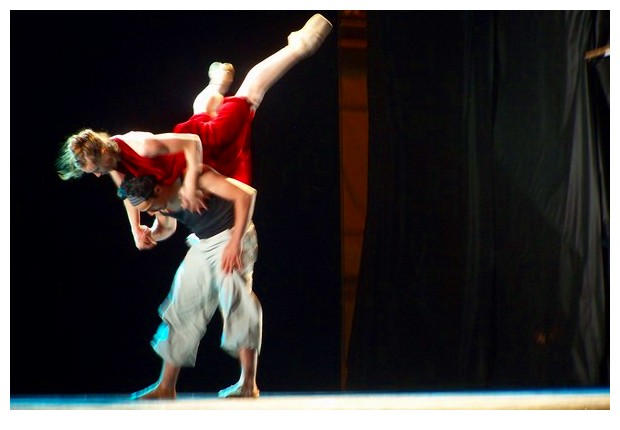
<point x="191" y="145"/>
<point x="163" y="227"/>
<point x="170" y="143"/>
<point x="141" y="239"/>
<point x="152" y="145"/>
<point x="243" y="197"/>
<point x="252" y="193"/>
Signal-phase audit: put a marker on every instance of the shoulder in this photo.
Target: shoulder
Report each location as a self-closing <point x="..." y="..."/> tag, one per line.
<point x="137" y="140"/>
<point x="135" y="136"/>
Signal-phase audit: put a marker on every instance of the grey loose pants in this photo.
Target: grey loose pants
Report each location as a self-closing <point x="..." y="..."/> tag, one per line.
<point x="198" y="289"/>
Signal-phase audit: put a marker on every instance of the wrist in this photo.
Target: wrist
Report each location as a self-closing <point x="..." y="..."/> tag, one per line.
<point x="194" y="168"/>
<point x="191" y="176"/>
<point x="138" y="231"/>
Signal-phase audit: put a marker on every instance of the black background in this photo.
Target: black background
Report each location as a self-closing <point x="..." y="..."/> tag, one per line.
<point x="83" y="298"/>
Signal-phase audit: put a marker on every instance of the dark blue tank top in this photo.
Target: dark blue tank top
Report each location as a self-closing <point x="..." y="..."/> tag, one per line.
<point x="219" y="216"/>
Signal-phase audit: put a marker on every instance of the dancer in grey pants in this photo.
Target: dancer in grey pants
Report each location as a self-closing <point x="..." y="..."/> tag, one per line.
<point x="216" y="273"/>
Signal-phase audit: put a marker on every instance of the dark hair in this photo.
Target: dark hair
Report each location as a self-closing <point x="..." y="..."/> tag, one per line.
<point x="136" y="188"/>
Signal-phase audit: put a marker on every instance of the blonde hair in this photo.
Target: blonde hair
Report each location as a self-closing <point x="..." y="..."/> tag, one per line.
<point x="86" y="144"/>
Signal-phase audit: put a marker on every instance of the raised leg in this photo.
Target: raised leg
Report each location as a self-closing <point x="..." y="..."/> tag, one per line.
<point x="220" y="77"/>
<point x="301" y="44"/>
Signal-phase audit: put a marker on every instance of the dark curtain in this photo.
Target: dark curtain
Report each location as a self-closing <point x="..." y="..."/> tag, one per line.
<point x="485" y="259"/>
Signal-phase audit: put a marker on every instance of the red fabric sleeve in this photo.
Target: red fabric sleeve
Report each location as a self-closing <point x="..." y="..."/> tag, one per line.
<point x="166" y="168"/>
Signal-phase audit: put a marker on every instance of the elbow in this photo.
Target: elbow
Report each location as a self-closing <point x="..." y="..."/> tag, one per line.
<point x="198" y="142"/>
<point x="248" y="199"/>
<point x="171" y="226"/>
<point x="252" y="196"/>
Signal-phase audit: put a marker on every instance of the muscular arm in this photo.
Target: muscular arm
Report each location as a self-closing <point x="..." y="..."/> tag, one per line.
<point x="191" y="145"/>
<point x="163" y="227"/>
<point x="141" y="240"/>
<point x="152" y="145"/>
<point x="169" y="143"/>
<point x="243" y="197"/>
<point x="248" y="191"/>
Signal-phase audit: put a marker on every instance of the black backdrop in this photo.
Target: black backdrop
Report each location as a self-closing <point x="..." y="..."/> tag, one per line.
<point x="485" y="260"/>
<point x="83" y="298"/>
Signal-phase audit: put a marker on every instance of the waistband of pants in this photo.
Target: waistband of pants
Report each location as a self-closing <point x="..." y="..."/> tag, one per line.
<point x="192" y="239"/>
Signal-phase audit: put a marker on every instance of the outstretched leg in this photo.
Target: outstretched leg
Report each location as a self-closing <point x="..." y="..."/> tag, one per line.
<point x="164" y="388"/>
<point x="301" y="44"/>
<point x="246" y="387"/>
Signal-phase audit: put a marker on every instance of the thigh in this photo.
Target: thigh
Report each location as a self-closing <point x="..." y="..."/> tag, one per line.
<point x="192" y="290"/>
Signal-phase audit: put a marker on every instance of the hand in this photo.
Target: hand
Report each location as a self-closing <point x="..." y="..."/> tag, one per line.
<point x="194" y="201"/>
<point x="143" y="238"/>
<point x="231" y="258"/>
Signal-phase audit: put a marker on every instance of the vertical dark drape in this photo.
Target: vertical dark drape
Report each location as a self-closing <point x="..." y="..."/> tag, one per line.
<point x="484" y="257"/>
<point x="479" y="301"/>
<point x="406" y="322"/>
<point x="547" y="314"/>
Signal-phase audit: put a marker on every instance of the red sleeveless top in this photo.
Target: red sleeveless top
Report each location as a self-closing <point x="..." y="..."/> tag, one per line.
<point x="166" y="168"/>
<point x="226" y="141"/>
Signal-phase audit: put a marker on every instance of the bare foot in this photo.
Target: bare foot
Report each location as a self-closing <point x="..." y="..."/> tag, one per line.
<point x="238" y="390"/>
<point x="154" y="392"/>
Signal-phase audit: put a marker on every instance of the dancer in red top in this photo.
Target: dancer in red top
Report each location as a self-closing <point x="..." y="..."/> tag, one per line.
<point x="218" y="137"/>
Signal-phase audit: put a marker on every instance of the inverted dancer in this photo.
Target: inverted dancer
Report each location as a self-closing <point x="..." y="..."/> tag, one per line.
<point x="222" y="141"/>
<point x="215" y="273"/>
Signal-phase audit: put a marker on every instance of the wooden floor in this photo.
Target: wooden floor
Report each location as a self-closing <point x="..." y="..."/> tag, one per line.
<point x="483" y="400"/>
<point x="519" y="410"/>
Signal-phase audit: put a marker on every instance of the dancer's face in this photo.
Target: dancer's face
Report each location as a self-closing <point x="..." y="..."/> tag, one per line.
<point x="159" y="200"/>
<point x="100" y="165"/>
<point x="90" y="167"/>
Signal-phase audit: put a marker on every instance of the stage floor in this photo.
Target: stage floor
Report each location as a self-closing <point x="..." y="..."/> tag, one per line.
<point x="478" y="400"/>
